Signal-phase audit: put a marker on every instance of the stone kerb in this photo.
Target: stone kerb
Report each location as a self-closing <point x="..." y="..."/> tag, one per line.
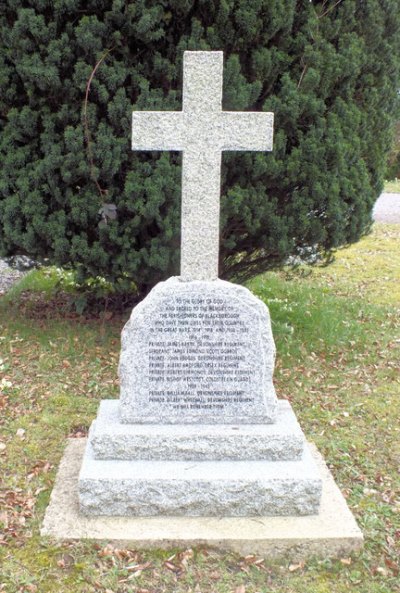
<point x="198" y="352"/>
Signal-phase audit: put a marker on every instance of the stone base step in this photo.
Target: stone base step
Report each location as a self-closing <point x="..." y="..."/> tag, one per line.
<point x="110" y="439"/>
<point x="331" y="533"/>
<point x="199" y="488"/>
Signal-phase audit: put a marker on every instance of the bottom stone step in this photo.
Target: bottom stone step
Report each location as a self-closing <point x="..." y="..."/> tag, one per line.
<point x="331" y="533"/>
<point x="205" y="488"/>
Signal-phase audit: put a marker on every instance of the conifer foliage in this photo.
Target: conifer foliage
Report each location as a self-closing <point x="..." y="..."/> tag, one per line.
<point x="72" y="191"/>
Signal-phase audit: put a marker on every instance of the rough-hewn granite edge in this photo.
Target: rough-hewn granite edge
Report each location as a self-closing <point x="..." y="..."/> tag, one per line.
<point x="111" y="439"/>
<point x="133" y="380"/>
<point x="199" y="488"/>
<point x="333" y="533"/>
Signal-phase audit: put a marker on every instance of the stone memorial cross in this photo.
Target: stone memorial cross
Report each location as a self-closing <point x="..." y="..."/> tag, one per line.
<point x="198" y="431"/>
<point x="201" y="130"/>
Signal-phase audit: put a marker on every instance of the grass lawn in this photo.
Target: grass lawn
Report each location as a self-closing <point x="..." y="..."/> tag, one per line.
<point x="392" y="186"/>
<point x="337" y="335"/>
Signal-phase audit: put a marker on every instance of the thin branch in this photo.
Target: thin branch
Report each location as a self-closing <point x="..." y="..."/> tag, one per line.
<point x="329" y="9"/>
<point x="86" y="123"/>
<point x="302" y="76"/>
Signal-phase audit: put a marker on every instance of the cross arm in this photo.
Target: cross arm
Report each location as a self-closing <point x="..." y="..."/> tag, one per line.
<point x="157" y="130"/>
<point x="251" y="130"/>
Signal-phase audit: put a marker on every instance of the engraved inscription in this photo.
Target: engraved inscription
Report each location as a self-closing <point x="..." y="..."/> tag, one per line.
<point x="195" y="344"/>
<point x="197" y="352"/>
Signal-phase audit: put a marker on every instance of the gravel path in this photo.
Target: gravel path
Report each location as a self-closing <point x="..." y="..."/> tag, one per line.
<point x="386" y="209"/>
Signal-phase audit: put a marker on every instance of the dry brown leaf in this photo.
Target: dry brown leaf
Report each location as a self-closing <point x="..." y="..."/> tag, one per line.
<point x="253" y="560"/>
<point x="391" y="541"/>
<point x="171" y="566"/>
<point x="294" y="567"/>
<point x="107" y="551"/>
<point x="346" y="561"/>
<point x="394" y="567"/>
<point x="135" y="574"/>
<point x="66" y="561"/>
<point x="215" y="575"/>
<point x="185" y="556"/>
<point x="136" y="569"/>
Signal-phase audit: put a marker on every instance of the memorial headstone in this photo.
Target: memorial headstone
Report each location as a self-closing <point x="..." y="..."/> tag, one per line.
<point x="198" y="429"/>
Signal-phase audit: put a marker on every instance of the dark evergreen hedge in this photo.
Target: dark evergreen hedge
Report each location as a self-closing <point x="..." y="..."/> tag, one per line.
<point x="329" y="70"/>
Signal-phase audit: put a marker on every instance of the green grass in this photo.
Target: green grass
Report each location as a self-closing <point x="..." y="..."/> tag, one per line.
<point x="338" y="353"/>
<point x="36" y="280"/>
<point x="392" y="186"/>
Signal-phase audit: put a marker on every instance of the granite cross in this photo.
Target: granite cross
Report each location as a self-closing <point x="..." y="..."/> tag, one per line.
<point x="201" y="130"/>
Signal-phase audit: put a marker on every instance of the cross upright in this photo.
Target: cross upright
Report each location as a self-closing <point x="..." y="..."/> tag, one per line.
<point x="202" y="131"/>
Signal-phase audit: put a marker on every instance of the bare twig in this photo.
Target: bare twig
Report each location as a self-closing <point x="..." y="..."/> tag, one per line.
<point x="329" y="9"/>
<point x="302" y="76"/>
<point x="86" y="123"/>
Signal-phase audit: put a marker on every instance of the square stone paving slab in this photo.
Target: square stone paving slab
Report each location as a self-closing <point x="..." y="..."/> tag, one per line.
<point x="331" y="533"/>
